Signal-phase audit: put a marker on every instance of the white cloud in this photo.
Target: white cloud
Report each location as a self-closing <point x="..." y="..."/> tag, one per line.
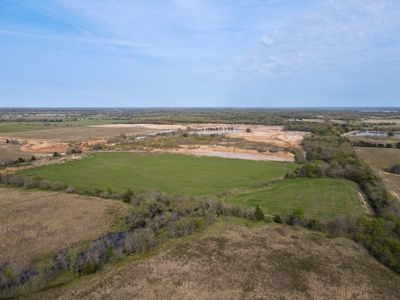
<point x="267" y="40"/>
<point x="332" y="35"/>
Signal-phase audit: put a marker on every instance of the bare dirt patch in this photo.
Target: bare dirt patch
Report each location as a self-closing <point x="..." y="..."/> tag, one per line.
<point x="44" y="146"/>
<point x="33" y="223"/>
<point x="201" y="150"/>
<point x="238" y="262"/>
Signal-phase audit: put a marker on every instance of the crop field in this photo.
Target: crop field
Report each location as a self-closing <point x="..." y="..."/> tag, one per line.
<point x="33" y="223"/>
<point x="321" y="198"/>
<point x="75" y="133"/>
<point x="165" y="172"/>
<point x="380" y="159"/>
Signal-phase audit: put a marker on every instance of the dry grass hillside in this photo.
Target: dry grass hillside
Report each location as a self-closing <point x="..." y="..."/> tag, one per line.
<point x="236" y="261"/>
<point x="33" y="223"/>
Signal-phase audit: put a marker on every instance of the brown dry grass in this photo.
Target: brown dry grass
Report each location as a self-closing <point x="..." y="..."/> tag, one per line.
<point x="239" y="262"/>
<point x="33" y="223"/>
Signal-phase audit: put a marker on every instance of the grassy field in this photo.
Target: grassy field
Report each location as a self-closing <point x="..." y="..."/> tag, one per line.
<point x="33" y="222"/>
<point x="166" y="172"/>
<point x="10" y="127"/>
<point x="12" y="151"/>
<point x="75" y="133"/>
<point x="380" y="159"/>
<point x="322" y="198"/>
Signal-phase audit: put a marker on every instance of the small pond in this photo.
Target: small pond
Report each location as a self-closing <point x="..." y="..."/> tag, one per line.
<point x="374" y="133"/>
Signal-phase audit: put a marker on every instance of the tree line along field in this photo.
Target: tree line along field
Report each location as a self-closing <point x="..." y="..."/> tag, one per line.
<point x="165" y="172"/>
<point x="380" y="160"/>
<point x="322" y="198"/>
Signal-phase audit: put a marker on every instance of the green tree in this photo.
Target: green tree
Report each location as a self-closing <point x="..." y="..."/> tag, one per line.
<point x="299" y="212"/>
<point x="259" y="213"/>
<point x="127" y="196"/>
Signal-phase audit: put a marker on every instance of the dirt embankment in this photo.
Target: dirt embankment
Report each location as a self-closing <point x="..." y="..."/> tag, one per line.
<point x="43" y="162"/>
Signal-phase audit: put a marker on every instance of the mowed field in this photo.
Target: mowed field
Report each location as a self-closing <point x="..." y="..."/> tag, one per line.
<point x="322" y="198"/>
<point x="380" y="159"/>
<point x="166" y="172"/>
<point x="33" y="223"/>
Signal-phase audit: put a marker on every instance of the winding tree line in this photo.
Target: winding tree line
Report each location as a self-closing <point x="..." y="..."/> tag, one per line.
<point x="379" y="234"/>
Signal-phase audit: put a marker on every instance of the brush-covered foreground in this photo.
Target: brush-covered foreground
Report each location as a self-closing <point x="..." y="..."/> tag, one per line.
<point x="322" y="198"/>
<point x="239" y="260"/>
<point x="165" y="172"/>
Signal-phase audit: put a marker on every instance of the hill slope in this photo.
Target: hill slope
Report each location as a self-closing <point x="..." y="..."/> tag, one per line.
<point x="235" y="261"/>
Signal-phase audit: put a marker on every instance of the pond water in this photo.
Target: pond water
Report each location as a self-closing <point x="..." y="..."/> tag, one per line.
<point x="374" y="133"/>
<point x="247" y="156"/>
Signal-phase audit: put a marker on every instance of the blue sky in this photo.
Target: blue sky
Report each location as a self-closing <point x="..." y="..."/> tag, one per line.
<point x="215" y="53"/>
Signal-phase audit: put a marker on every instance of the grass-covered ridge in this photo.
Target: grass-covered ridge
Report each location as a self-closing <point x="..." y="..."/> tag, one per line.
<point x="165" y="172"/>
<point x="322" y="198"/>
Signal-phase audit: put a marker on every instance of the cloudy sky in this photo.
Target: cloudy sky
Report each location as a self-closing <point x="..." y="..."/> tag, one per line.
<point x="199" y="53"/>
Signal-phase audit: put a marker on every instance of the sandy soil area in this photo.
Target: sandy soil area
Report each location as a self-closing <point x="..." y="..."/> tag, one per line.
<point x="44" y="146"/>
<point x="273" y="135"/>
<point x="200" y="150"/>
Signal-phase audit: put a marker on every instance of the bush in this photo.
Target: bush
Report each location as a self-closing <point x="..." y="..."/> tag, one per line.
<point x="259" y="214"/>
<point x="395" y="168"/>
<point x="71" y="189"/>
<point x="45" y="185"/>
<point x="58" y="186"/>
<point x="127" y="196"/>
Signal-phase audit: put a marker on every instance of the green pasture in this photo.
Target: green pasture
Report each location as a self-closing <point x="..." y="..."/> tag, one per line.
<point x="8" y="127"/>
<point x="166" y="172"/>
<point x="322" y="198"/>
<point x="11" y="127"/>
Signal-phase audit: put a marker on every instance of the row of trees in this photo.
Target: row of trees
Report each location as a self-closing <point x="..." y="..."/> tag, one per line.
<point x="361" y="143"/>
